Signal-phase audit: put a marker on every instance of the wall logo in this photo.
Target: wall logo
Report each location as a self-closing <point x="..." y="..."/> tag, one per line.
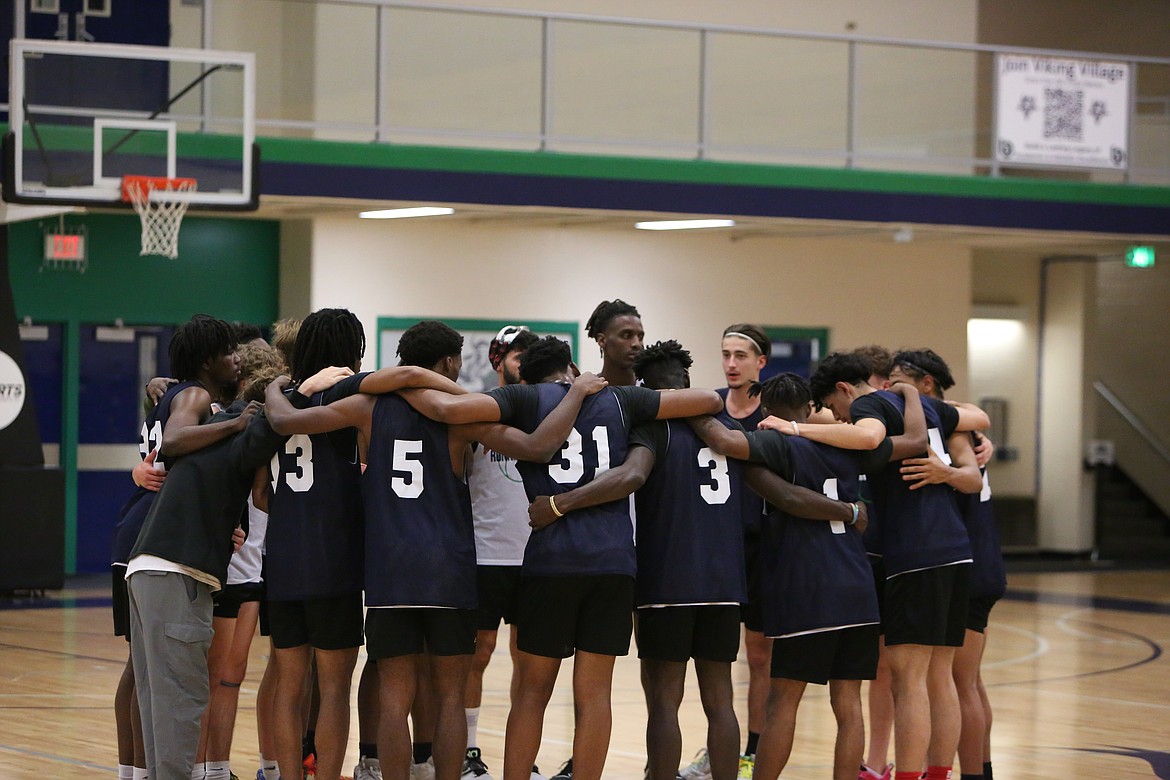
<point x="12" y="390"/>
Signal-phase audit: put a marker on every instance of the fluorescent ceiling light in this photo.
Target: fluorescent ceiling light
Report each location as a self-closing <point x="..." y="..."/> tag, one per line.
<point x="684" y="224"/>
<point x="420" y="211"/>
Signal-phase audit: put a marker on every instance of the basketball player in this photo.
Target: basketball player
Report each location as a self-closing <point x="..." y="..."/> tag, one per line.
<point x="616" y="326"/>
<point x="420" y="548"/>
<point x="926" y="554"/>
<point x="745" y="349"/>
<point x="931" y="375"/>
<point x="202" y="355"/>
<point x="499" y="513"/>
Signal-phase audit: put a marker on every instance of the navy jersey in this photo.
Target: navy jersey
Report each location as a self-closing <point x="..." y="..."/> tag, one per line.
<point x="751" y="505"/>
<point x="420" y="542"/>
<point x="598" y="539"/>
<point x="988" y="577"/>
<point x="919" y="529"/>
<point x="134" y="511"/>
<point x="314" y="544"/>
<point x="816" y="574"/>
<point x="690" y="540"/>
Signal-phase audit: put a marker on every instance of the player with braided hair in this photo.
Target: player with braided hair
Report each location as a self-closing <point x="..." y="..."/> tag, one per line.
<point x="616" y="326"/>
<point x="327" y="337"/>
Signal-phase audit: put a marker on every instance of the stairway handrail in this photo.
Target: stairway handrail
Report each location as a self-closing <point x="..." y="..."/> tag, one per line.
<point x="1134" y="421"/>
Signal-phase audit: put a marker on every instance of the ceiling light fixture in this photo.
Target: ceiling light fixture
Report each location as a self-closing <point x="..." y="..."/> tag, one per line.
<point x="419" y="211"/>
<point x="684" y="224"/>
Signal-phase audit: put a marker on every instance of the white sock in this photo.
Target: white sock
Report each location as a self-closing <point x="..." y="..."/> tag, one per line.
<point x="125" y="772"/>
<point x="218" y="770"/>
<point x="140" y="773"/>
<point x="268" y="766"/>
<point x="199" y="771"/>
<point x="472" y="726"/>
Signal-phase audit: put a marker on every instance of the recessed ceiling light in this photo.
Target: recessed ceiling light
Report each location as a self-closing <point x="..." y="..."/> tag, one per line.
<point x="420" y="211"/>
<point x="684" y="224"/>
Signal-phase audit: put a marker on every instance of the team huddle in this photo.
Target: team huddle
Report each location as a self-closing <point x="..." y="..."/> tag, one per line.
<point x="843" y="520"/>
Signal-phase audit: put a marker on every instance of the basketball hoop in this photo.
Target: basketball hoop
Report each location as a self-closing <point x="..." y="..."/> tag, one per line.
<point x="160" y="214"/>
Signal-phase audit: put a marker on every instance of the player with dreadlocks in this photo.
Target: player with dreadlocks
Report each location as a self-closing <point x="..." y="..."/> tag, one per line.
<point x="315" y="544"/>
<point x="616" y="326"/>
<point x="819" y="603"/>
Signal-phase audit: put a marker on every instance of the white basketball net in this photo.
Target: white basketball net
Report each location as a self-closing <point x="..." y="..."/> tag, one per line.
<point x="161" y="217"/>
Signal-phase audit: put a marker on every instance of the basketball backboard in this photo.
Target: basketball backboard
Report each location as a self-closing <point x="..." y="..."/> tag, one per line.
<point x="84" y="115"/>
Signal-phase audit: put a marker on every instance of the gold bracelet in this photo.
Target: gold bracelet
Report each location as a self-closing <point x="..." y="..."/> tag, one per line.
<point x="553" y="505"/>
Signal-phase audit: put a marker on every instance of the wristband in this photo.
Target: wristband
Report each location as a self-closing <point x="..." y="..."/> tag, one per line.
<point x="795" y="429"/>
<point x="851" y="522"/>
<point x="553" y="505"/>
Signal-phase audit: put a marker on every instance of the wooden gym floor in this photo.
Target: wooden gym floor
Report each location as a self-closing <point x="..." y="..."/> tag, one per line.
<point x="1074" y="667"/>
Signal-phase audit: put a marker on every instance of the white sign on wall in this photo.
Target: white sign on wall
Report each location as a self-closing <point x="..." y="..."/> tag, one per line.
<point x="1065" y="112"/>
<point x="12" y="390"/>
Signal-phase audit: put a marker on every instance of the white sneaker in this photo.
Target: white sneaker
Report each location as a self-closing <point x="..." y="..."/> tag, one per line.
<point x="423" y="771"/>
<point x="367" y="769"/>
<point x="699" y="768"/>
<point x="536" y="775"/>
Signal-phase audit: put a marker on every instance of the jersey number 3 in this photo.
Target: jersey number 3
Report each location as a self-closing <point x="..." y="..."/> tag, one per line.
<point x="720" y="490"/>
<point x="299" y="477"/>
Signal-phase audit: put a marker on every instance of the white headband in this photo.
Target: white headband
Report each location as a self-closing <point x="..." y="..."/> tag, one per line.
<point x="743" y="336"/>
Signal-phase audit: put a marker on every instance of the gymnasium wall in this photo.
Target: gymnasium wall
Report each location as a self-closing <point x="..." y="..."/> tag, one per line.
<point x="687" y="286"/>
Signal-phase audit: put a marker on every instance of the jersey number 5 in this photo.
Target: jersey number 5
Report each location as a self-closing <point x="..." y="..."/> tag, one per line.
<point x="411" y="486"/>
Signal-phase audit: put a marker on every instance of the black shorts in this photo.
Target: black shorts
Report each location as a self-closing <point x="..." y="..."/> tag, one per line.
<point x="752" y="612"/>
<point x="708" y="632"/>
<point x="843" y="654"/>
<point x="398" y="631"/>
<point x="326" y="624"/>
<point x="927" y="607"/>
<point x="120" y="602"/>
<point x="498" y="588"/>
<point x="227" y="600"/>
<point x="978" y="611"/>
<point x="558" y="615"/>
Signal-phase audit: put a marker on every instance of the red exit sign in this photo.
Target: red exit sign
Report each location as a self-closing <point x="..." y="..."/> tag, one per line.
<point x="64" y="246"/>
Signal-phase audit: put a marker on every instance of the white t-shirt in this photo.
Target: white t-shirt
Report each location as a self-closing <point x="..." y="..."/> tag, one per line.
<point x="499" y="508"/>
<point x="246" y="562"/>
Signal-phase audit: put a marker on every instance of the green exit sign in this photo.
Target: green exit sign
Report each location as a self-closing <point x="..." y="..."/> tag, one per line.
<point x="1140" y="257"/>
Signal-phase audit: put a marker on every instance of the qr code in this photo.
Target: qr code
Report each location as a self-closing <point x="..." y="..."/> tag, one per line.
<point x="1063" y="111"/>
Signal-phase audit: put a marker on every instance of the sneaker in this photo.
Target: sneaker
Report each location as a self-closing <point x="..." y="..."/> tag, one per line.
<point x="699" y="768"/>
<point x="536" y="775"/>
<point x="747" y="765"/>
<point x="423" y="771"/>
<point x="310" y="764"/>
<point x="473" y="765"/>
<point x="565" y="772"/>
<point x="367" y="769"/>
<point x="259" y="774"/>
<point x="865" y="773"/>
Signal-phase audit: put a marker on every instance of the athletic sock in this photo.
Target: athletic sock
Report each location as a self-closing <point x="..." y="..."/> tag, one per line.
<point x="218" y="770"/>
<point x="472" y="714"/>
<point x="753" y="742"/>
<point x="368" y="749"/>
<point x="422" y="751"/>
<point x="125" y="772"/>
<point x="938" y="773"/>
<point x="198" y="771"/>
<point x="269" y="768"/>
<point x="140" y="773"/>
<point x="987" y="770"/>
